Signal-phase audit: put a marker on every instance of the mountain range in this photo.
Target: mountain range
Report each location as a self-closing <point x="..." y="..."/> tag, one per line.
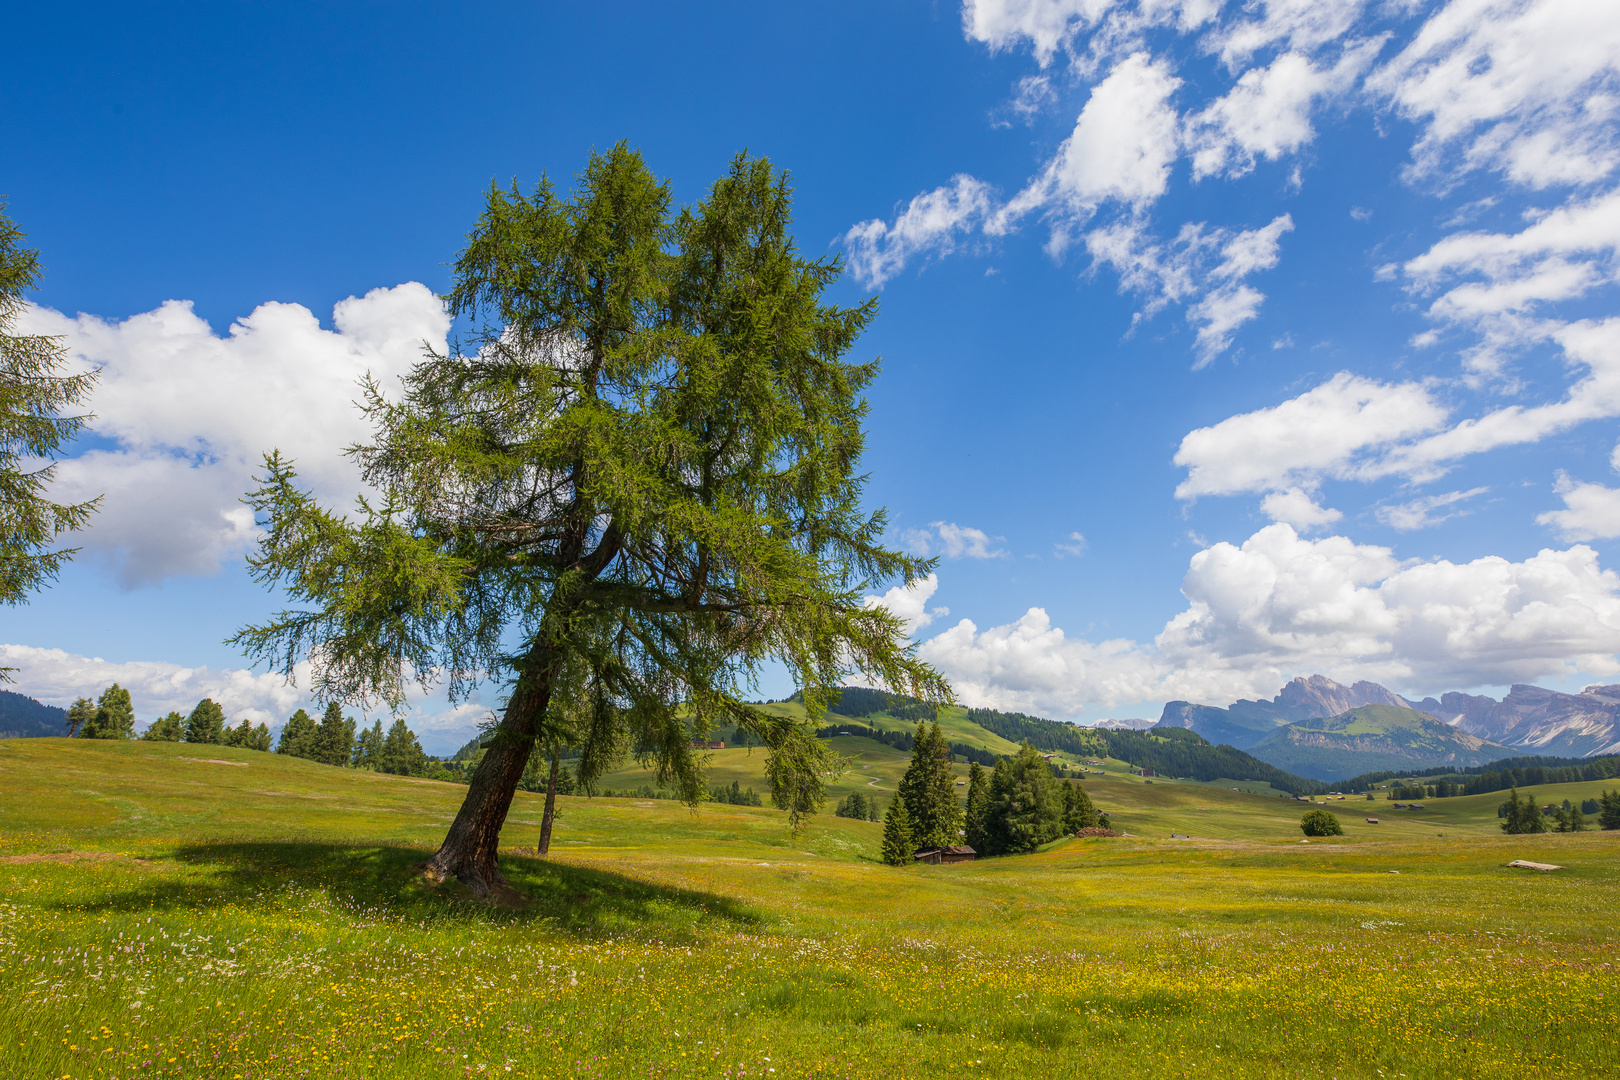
<point x="1320" y="728"/>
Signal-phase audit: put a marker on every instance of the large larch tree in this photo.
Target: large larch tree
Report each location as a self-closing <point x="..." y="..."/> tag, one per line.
<point x="633" y="484"/>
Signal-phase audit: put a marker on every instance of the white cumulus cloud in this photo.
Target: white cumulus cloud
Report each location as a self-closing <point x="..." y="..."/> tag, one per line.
<point x="930" y="225"/>
<point x="1202" y="267"/>
<point x="1298" y="508"/>
<point x="191" y="413"/>
<point x="1267" y="114"/>
<point x="1280" y="605"/>
<point x="1121" y="149"/>
<point x="1324" y="432"/>
<point x="1591" y="511"/>
<point x="910" y="603"/>
<point x="1526" y="88"/>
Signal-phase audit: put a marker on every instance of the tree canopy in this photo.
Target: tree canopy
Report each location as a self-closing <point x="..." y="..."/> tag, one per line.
<point x="636" y="482"/>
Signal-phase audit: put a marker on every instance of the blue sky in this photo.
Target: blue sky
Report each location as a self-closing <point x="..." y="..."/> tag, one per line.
<point x="1222" y="342"/>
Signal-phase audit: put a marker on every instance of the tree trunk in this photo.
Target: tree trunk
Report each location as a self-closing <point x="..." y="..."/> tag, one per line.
<point x="551" y="807"/>
<point x="470" y="849"/>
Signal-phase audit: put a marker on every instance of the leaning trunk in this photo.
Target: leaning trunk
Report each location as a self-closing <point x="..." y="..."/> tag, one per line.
<point x="470" y="849"/>
<point x="551" y="807"/>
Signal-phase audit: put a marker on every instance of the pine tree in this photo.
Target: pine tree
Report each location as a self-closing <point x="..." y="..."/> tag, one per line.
<point x="167" y="729"/>
<point x="401" y="754"/>
<point x="243" y="735"/>
<point x="1609" y="810"/>
<point x="297" y="736"/>
<point x="368" y="747"/>
<point x="1078" y="810"/>
<point x="1024" y="811"/>
<point x="978" y="795"/>
<point x="114" y="717"/>
<point x="80" y="714"/>
<point x="929" y="790"/>
<point x="333" y="742"/>
<point x="897" y="842"/>
<point x="206" y="724"/>
<point x="261" y="738"/>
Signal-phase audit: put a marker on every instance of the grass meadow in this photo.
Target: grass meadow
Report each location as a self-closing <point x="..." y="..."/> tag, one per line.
<point x="182" y="911"/>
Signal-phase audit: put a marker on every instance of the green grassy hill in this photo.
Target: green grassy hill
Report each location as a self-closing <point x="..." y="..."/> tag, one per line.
<point x="182" y="911"/>
<point x="1370" y="739"/>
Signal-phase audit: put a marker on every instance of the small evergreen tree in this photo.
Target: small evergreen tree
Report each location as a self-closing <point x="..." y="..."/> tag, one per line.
<point x="114" y="716"/>
<point x="368" y="747"/>
<point x="978" y="795"/>
<point x="333" y="741"/>
<point x="929" y="790"/>
<point x="78" y="715"/>
<point x="260" y="739"/>
<point x="1320" y="823"/>
<point x="401" y="754"/>
<point x="242" y="735"/>
<point x="206" y="724"/>
<point x="1609" y="810"/>
<point x="897" y="841"/>
<point x="1521" y="816"/>
<point x="1024" y="810"/>
<point x="1568" y="818"/>
<point x="297" y="736"/>
<point x="167" y="729"/>
<point x="1078" y="810"/>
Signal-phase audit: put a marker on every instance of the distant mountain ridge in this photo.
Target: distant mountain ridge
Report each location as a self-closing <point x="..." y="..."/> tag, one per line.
<point x="1370" y="738"/>
<point x="21" y="717"/>
<point x="1122" y="725"/>
<point x="1530" y="718"/>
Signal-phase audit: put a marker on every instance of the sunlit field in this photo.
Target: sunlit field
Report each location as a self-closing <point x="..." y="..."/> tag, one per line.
<point x="172" y="910"/>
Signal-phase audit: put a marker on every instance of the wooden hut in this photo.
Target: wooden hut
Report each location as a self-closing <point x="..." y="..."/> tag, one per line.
<point x="953" y="853"/>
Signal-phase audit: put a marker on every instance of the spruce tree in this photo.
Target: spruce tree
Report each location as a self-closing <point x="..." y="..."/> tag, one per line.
<point x="897" y="844"/>
<point x="401" y="754"/>
<point x="368" y="747"/>
<point x="79" y="715"/>
<point x="167" y="729"/>
<point x="114" y="716"/>
<point x="243" y="735"/>
<point x="1024" y="810"/>
<point x="206" y="724"/>
<point x="297" y="736"/>
<point x="333" y="742"/>
<point x="1609" y="810"/>
<point x="1078" y="810"/>
<point x="261" y="738"/>
<point x="929" y="790"/>
<point x="978" y="795"/>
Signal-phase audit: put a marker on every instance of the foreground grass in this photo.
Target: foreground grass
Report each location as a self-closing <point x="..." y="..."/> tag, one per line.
<point x="169" y="917"/>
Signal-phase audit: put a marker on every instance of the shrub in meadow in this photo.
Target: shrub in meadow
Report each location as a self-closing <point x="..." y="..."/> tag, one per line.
<point x="1320" y="823"/>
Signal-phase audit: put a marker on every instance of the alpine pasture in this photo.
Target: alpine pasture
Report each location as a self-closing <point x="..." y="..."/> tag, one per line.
<point x="203" y="911"/>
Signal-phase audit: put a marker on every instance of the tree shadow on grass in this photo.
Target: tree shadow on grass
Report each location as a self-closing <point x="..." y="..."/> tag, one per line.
<point x="383" y="880"/>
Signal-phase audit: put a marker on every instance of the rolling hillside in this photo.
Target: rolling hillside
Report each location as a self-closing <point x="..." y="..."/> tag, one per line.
<point x="22" y="717"/>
